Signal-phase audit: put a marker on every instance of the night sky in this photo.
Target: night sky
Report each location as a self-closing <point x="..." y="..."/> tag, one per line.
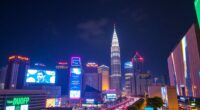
<point x="48" y="31"/>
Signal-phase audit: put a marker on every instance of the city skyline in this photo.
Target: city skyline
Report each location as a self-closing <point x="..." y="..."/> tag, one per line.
<point x="58" y="35"/>
<point x="100" y="55"/>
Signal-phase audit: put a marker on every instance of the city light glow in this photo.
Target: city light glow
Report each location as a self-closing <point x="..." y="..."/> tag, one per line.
<point x="18" y="57"/>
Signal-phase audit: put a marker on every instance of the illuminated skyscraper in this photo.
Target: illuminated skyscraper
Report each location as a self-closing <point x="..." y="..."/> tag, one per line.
<point x="91" y="77"/>
<point x="128" y="68"/>
<point x="184" y="64"/>
<point x="16" y="71"/>
<point x="115" y="64"/>
<point x="62" y="77"/>
<point x="104" y="71"/>
<point x="137" y="69"/>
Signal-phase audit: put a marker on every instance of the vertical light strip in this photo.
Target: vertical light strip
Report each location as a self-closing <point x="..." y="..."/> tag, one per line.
<point x="174" y="66"/>
<point x="184" y="45"/>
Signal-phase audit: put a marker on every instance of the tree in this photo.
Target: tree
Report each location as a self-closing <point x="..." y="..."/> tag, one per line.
<point x="155" y="102"/>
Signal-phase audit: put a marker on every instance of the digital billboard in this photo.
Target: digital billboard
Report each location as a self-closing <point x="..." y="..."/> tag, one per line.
<point x="53" y="102"/>
<point x="128" y="65"/>
<point x="17" y="103"/>
<point x="197" y="8"/>
<point x="75" y="61"/>
<point x="40" y="76"/>
<point x="75" y="83"/>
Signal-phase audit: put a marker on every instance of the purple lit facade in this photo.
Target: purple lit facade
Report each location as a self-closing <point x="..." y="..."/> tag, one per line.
<point x="184" y="64"/>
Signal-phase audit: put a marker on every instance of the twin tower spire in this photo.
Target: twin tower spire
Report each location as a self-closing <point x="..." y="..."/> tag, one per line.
<point x="115" y="64"/>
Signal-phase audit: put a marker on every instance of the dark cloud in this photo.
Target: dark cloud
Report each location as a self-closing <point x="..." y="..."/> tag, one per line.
<point x="93" y="30"/>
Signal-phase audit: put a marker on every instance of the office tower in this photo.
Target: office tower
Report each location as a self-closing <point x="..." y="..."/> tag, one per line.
<point x="184" y="64"/>
<point x="62" y="77"/>
<point x="104" y="71"/>
<point x="3" y="72"/>
<point x="17" y="68"/>
<point x="91" y="77"/>
<point x="75" y="84"/>
<point x="128" y="69"/>
<point x="197" y="8"/>
<point x="137" y="70"/>
<point x="115" y="64"/>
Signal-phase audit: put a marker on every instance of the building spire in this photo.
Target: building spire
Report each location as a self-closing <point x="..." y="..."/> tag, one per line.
<point x="115" y="38"/>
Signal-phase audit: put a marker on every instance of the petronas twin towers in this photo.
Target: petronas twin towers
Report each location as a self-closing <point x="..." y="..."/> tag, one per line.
<point x="115" y="64"/>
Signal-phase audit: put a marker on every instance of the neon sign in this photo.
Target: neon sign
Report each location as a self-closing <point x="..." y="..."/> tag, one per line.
<point x="18" y="101"/>
<point x="92" y="65"/>
<point x="75" y="61"/>
<point x="18" y="57"/>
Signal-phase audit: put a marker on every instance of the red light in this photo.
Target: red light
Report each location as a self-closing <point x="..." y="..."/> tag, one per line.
<point x="62" y="63"/>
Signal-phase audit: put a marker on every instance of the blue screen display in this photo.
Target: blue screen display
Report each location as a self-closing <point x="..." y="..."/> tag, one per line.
<point x="128" y="65"/>
<point x="75" y="83"/>
<point x="40" y="76"/>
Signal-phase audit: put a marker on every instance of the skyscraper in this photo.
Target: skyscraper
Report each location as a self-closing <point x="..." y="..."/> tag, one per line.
<point x="104" y="71"/>
<point x="137" y="69"/>
<point x="115" y="64"/>
<point x="62" y="77"/>
<point x="91" y="77"/>
<point x="184" y="64"/>
<point x="128" y="68"/>
<point x="3" y="71"/>
<point x="16" y="71"/>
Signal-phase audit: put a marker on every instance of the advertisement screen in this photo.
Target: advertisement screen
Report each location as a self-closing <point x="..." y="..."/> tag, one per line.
<point x="128" y="65"/>
<point x="197" y="8"/>
<point x="40" y="76"/>
<point x="75" y="83"/>
<point x="53" y="102"/>
<point x="111" y="96"/>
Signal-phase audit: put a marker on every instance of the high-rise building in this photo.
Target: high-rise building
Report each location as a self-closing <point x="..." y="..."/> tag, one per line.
<point x="16" y="72"/>
<point x="3" y="72"/>
<point x="91" y="77"/>
<point x="197" y="8"/>
<point x="75" y="83"/>
<point x="104" y="71"/>
<point x="184" y="64"/>
<point x="62" y="77"/>
<point x="128" y="69"/>
<point x="137" y="70"/>
<point x="116" y="79"/>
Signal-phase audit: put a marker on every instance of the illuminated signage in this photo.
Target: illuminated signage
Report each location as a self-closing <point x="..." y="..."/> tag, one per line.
<point x="128" y="65"/>
<point x="75" y="61"/>
<point x="39" y="64"/>
<point x="90" y="101"/>
<point x="62" y="63"/>
<point x="53" y="102"/>
<point x="197" y="8"/>
<point x="18" y="57"/>
<point x="92" y="65"/>
<point x="17" y="103"/>
<point x="75" y="83"/>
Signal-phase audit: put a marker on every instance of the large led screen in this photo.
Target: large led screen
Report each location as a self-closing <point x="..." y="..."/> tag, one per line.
<point x="40" y="76"/>
<point x="197" y="7"/>
<point x="75" y="83"/>
<point x="128" y="65"/>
